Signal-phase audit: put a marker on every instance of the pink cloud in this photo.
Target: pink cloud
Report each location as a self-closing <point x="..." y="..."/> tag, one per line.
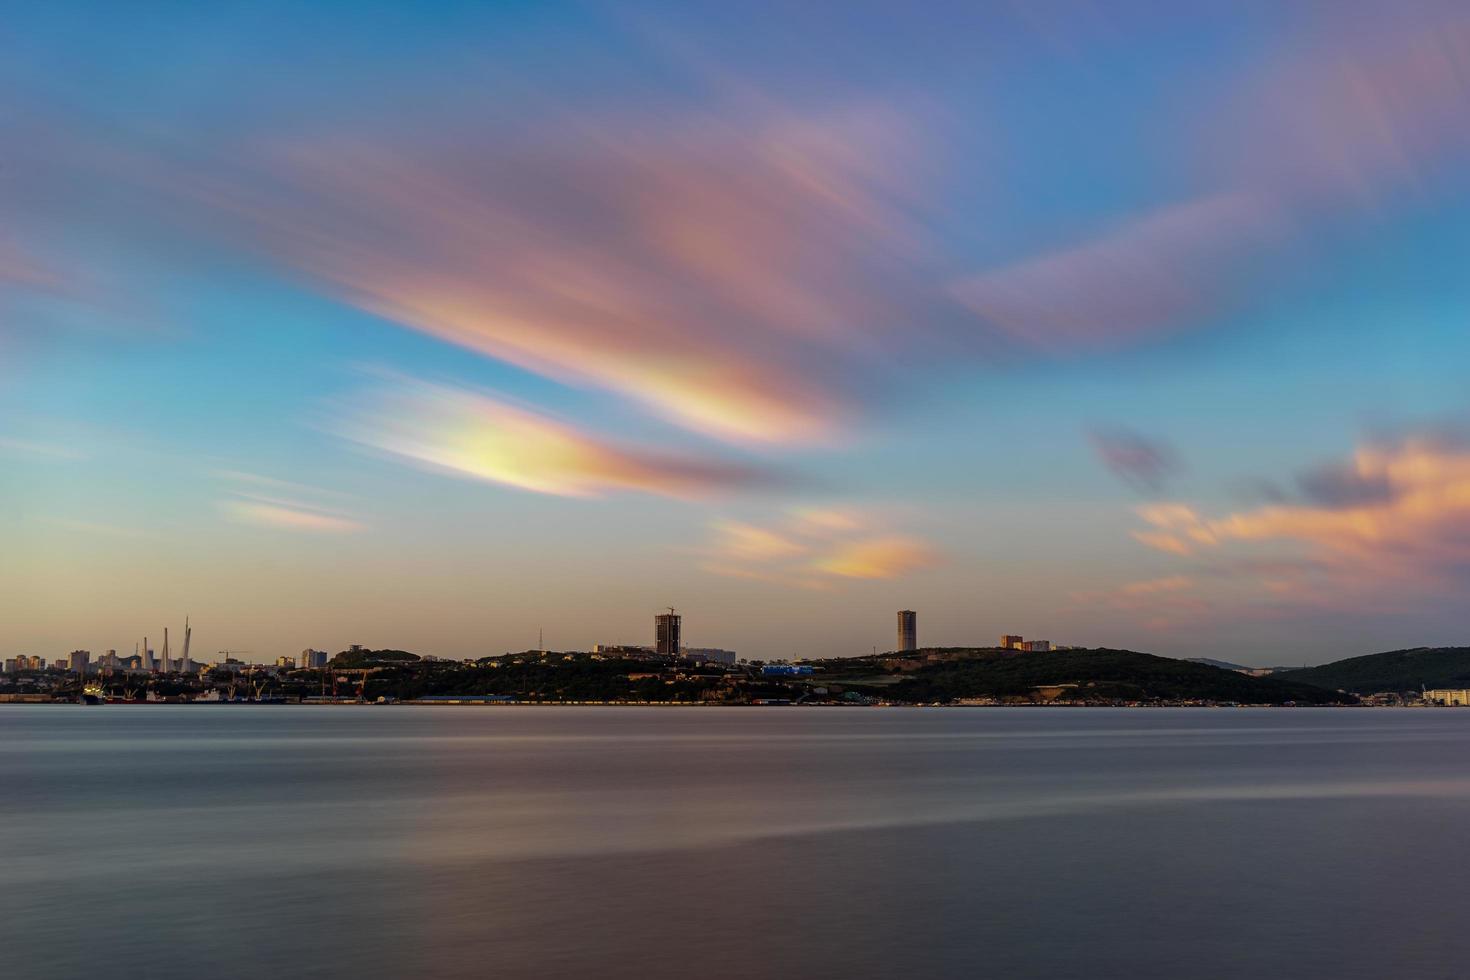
<point x="730" y="274"/>
<point x="1152" y="274"/>
<point x="1375" y="105"/>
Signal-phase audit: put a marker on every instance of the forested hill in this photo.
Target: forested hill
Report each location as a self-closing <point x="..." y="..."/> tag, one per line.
<point x="1098" y="675"/>
<point x="1396" y="670"/>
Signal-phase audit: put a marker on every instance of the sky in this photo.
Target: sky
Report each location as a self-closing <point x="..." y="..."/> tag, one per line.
<point x="432" y="326"/>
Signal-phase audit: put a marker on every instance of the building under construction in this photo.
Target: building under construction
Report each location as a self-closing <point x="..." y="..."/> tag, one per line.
<point x="666" y="633"/>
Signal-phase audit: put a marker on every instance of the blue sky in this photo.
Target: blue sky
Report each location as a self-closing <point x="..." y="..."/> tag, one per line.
<point x="431" y="326"/>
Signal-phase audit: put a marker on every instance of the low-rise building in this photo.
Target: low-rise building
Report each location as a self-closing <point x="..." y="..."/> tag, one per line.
<point x="1011" y="641"/>
<point x="713" y="655"/>
<point x="786" y="670"/>
<point x="1448" y="696"/>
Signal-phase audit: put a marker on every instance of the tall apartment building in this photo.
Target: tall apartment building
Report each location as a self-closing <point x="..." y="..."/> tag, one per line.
<point x="908" y="629"/>
<point x="1011" y="641"/>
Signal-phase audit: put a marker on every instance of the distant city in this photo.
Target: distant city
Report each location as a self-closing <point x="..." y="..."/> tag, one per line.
<point x="667" y="671"/>
<point x="667" y="642"/>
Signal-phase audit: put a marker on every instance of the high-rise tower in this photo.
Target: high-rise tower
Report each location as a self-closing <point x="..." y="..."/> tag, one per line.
<point x="908" y="629"/>
<point x="666" y="633"/>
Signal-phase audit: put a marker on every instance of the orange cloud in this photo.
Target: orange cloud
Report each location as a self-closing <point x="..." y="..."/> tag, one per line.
<point x="883" y="557"/>
<point x="476" y="436"/>
<point x="1415" y="523"/>
<point x="815" y="546"/>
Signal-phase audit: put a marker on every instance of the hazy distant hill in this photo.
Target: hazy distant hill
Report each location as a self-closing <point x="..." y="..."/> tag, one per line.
<point x="1100" y="675"/>
<point x="1396" y="670"/>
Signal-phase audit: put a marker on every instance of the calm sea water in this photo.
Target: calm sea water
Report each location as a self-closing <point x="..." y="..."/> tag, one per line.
<point x="236" y="841"/>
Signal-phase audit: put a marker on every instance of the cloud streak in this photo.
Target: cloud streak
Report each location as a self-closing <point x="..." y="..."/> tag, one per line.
<point x="1151" y="275"/>
<point x="268" y="502"/>
<point x="476" y="436"/>
<point x="1375" y="106"/>
<point x="816" y="548"/>
<point x="288" y="518"/>
<point x="728" y="272"/>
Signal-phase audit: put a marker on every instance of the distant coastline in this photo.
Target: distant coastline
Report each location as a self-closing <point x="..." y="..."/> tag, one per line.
<point x="939" y="676"/>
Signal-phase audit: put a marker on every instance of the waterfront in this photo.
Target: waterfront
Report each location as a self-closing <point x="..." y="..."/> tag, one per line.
<point x="463" y="842"/>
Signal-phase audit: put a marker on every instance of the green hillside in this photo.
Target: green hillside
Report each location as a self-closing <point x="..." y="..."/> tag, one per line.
<point x="1099" y="675"/>
<point x="1396" y="670"/>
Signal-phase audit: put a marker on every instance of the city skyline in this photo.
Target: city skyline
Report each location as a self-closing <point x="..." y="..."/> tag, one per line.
<point x="1034" y="319"/>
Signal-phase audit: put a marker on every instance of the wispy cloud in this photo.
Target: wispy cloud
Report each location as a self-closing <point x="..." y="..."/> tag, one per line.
<point x="1159" y="272"/>
<point x="285" y="505"/>
<point x="747" y="542"/>
<point x="815" y="547"/>
<point x="287" y="518"/>
<point x="726" y="270"/>
<point x="1142" y="462"/>
<point x="1373" y="107"/>
<point x="473" y="435"/>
